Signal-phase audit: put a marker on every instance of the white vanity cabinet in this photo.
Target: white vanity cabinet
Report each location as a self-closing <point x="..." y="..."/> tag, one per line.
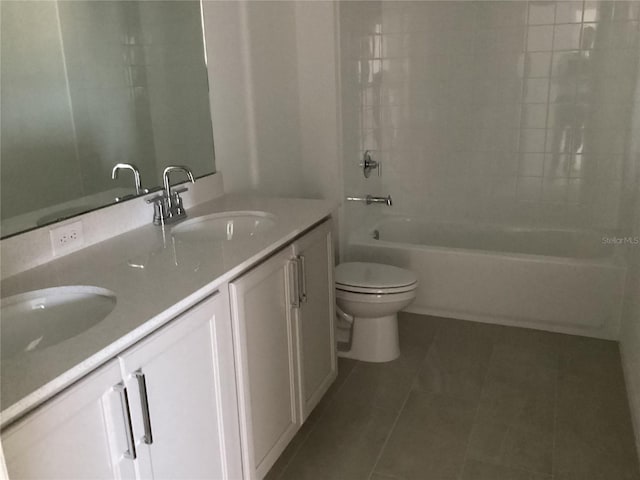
<point x="283" y="317"/>
<point x="317" y="358"/>
<point x="79" y="434"/>
<point x="166" y="408"/>
<point x="182" y="394"/>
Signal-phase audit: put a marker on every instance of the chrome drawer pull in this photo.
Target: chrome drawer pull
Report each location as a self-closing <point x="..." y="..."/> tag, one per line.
<point x="302" y="277"/>
<point x="124" y="401"/>
<point x="293" y="282"/>
<point x="144" y="400"/>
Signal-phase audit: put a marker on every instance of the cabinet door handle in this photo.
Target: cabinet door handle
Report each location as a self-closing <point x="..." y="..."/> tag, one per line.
<point x="124" y="402"/>
<point x="144" y="400"/>
<point x="293" y="281"/>
<point x="302" y="278"/>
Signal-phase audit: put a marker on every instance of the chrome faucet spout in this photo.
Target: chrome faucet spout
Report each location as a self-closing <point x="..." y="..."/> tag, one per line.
<point x="369" y="199"/>
<point x="168" y="206"/>
<point x="167" y="184"/>
<point x="128" y="166"/>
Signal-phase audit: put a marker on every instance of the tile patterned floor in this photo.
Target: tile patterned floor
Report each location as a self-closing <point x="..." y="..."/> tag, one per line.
<point x="469" y="401"/>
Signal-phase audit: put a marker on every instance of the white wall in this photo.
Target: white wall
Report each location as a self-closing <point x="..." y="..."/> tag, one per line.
<point x="273" y="75"/>
<point x="319" y="98"/>
<point x="254" y="89"/>
<point x="630" y="332"/>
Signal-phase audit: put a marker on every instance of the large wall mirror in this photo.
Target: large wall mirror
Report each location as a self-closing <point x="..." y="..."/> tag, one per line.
<point x="89" y="84"/>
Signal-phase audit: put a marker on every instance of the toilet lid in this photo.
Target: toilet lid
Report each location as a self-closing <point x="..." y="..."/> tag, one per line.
<point x="373" y="276"/>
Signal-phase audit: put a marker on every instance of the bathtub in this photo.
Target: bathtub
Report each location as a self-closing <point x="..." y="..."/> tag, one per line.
<point x="558" y="280"/>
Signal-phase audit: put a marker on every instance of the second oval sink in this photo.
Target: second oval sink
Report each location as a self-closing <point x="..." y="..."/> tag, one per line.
<point x="41" y="318"/>
<point x="224" y="226"/>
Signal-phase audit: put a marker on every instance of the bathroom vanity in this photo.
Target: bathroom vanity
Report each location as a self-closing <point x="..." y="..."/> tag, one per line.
<point x="219" y="346"/>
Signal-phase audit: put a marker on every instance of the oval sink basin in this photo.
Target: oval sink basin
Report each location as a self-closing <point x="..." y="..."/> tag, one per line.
<point x="41" y="318"/>
<point x="224" y="226"/>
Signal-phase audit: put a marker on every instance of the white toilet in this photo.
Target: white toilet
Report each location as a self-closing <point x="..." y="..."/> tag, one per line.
<point x="373" y="294"/>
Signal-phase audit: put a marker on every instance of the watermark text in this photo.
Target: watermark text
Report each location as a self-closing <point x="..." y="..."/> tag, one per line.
<point x="621" y="240"/>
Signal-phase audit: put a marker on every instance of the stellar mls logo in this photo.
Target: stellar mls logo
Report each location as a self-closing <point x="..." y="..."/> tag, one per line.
<point x="621" y="240"/>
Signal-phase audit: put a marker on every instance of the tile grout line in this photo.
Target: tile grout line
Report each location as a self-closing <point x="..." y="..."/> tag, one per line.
<point x="297" y="450"/>
<point x="556" y="404"/>
<point x="401" y="409"/>
<point x="393" y="426"/>
<point x="475" y="416"/>
<point x="511" y="427"/>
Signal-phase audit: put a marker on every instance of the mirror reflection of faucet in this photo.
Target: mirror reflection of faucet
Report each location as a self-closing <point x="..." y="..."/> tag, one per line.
<point x="136" y="178"/>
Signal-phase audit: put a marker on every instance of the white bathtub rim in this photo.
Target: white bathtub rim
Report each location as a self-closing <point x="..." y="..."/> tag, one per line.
<point x="614" y="260"/>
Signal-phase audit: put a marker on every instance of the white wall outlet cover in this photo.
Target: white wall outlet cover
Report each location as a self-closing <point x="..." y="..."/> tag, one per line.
<point x="66" y="238"/>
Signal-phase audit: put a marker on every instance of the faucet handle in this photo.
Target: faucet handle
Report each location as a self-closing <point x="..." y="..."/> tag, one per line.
<point x="159" y="208"/>
<point x="180" y="190"/>
<point x="155" y="199"/>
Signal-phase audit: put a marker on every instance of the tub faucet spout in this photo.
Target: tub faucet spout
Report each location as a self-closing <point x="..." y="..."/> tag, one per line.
<point x="369" y="199"/>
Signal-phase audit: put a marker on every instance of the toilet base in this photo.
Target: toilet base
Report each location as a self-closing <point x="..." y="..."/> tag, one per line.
<point x="374" y="339"/>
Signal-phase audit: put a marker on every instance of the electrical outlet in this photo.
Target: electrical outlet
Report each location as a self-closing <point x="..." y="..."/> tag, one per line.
<point x="66" y="238"/>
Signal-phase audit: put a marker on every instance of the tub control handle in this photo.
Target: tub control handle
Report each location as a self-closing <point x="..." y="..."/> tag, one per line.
<point x="368" y="164"/>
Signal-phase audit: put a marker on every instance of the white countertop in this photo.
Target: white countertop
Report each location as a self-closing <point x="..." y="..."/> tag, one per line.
<point x="176" y="275"/>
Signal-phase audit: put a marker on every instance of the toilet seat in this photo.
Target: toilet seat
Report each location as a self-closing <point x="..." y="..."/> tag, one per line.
<point x="374" y="278"/>
<point x="375" y="291"/>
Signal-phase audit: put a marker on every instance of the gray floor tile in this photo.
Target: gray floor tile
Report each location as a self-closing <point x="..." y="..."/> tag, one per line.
<point x="345" y="367"/>
<point x="581" y="456"/>
<point x="378" y="476"/>
<point x="514" y="403"/>
<point x="505" y="403"/>
<point x="534" y="341"/>
<point x="383" y="385"/>
<point x="531" y="369"/>
<point x="344" y="444"/>
<point x="593" y="431"/>
<point x="595" y="359"/>
<point x="475" y="470"/>
<point x="526" y="448"/>
<point x="292" y="449"/>
<point x="457" y="363"/>
<point x="417" y="331"/>
<point x="487" y="442"/>
<point x="529" y="448"/>
<point x="429" y="439"/>
<point x="594" y="436"/>
<point x="461" y="329"/>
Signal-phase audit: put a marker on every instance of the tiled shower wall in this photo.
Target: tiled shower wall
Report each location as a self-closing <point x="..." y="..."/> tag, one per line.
<point x="505" y="112"/>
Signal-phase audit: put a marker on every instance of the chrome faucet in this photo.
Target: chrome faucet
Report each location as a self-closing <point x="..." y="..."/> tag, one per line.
<point x="167" y="207"/>
<point x="128" y="166"/>
<point x="369" y="199"/>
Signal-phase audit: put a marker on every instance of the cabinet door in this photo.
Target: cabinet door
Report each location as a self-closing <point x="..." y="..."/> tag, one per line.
<point x="266" y="361"/>
<point x="80" y="433"/>
<point x="182" y="396"/>
<point x="316" y="316"/>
